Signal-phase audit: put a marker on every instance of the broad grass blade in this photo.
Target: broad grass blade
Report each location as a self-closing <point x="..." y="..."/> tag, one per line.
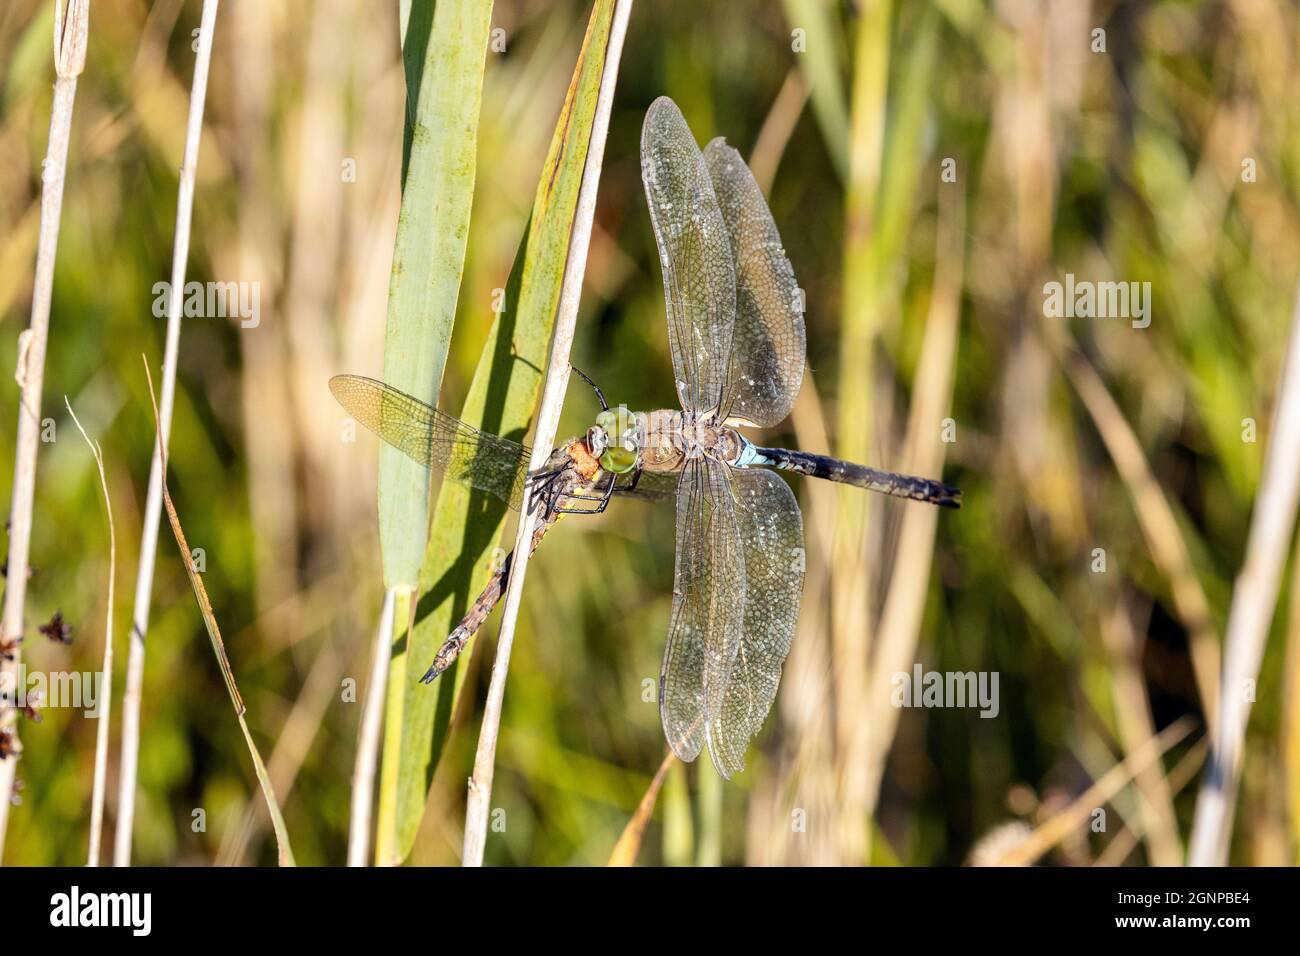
<point x="445" y="87"/>
<point x="502" y="398"/>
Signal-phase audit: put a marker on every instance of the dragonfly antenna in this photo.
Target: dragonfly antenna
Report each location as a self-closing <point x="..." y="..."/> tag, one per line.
<point x="604" y="407"/>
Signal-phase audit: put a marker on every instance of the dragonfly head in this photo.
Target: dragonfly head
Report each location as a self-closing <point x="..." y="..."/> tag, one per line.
<point x="613" y="439"/>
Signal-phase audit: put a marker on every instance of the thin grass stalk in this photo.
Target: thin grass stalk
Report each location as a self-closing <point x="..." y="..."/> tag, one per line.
<point x="1179" y="777"/>
<point x="1132" y="706"/>
<point x="1155" y="517"/>
<point x="851" y="581"/>
<point x="372" y="722"/>
<point x="819" y="22"/>
<point x="1068" y="821"/>
<point x="808" y="707"/>
<point x="388" y="851"/>
<point x="315" y="254"/>
<point x="154" y="499"/>
<point x="629" y="842"/>
<point x="708" y="811"/>
<point x="807" y="684"/>
<point x="219" y="646"/>
<point x="778" y="127"/>
<point x="293" y="741"/>
<point x="899" y="630"/>
<point x="548" y="419"/>
<point x="1254" y="599"/>
<point x="678" y="826"/>
<point x="71" y="29"/>
<point x="256" y="253"/>
<point x="1291" y="715"/>
<point x="106" y="707"/>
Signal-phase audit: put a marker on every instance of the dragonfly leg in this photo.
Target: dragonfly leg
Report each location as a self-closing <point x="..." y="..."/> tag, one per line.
<point x="542" y="479"/>
<point x="543" y="490"/>
<point x="609" y="492"/>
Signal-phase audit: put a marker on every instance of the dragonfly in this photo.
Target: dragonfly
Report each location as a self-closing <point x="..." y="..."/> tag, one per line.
<point x="737" y="337"/>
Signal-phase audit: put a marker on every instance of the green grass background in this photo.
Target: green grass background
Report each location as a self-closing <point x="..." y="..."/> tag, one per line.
<point x="1124" y="165"/>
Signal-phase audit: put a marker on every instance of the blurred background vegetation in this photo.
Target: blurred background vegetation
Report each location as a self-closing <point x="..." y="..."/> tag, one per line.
<point x="924" y="303"/>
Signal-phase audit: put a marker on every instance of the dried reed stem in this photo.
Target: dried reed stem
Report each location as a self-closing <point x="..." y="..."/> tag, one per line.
<point x="71" y="28"/>
<point x="372" y="721"/>
<point x="1132" y="704"/>
<point x="1068" y="821"/>
<point x="153" y="501"/>
<point x="1155" y="517"/>
<point x="629" y="842"/>
<point x="899" y="630"/>
<point x="548" y="420"/>
<point x="106" y="707"/>
<point x="1254" y="599"/>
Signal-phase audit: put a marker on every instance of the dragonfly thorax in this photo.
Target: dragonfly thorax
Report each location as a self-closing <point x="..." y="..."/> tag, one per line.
<point x="660" y="441"/>
<point x="669" y="438"/>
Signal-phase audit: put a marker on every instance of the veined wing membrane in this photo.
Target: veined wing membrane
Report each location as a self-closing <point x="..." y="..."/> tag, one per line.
<point x="434" y="439"/>
<point x="771" y="529"/>
<point x="651" y="486"/>
<point x="694" y="253"/>
<point x="767" y="353"/>
<point x="704" y="631"/>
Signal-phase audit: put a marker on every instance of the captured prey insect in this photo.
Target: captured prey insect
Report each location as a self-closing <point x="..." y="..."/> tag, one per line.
<point x="736" y="333"/>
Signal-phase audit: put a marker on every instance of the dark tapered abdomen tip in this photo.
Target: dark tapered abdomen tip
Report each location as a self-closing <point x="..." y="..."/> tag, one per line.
<point x="431" y="674"/>
<point x="946" y="496"/>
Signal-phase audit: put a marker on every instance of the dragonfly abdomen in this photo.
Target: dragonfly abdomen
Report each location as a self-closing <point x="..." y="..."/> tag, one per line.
<point x="848" y="473"/>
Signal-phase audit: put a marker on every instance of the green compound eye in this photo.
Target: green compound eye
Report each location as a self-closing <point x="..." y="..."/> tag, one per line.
<point x="608" y="420"/>
<point x="618" y="460"/>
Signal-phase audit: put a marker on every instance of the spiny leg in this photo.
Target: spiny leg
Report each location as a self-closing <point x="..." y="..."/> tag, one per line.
<point x="582" y="495"/>
<point x="544" y="493"/>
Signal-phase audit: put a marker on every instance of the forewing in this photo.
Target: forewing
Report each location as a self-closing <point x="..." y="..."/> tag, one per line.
<point x="694" y="253"/>
<point x="767" y="350"/>
<point x="436" y="440"/>
<point x="771" y="528"/>
<point x="708" y="594"/>
<point x="657" y="486"/>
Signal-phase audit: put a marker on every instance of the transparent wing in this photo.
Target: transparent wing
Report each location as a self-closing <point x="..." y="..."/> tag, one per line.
<point x="694" y="253"/>
<point x="771" y="528"/>
<point x="767" y="350"/>
<point x="655" y="486"/>
<point x="708" y="606"/>
<point x="436" y="440"/>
